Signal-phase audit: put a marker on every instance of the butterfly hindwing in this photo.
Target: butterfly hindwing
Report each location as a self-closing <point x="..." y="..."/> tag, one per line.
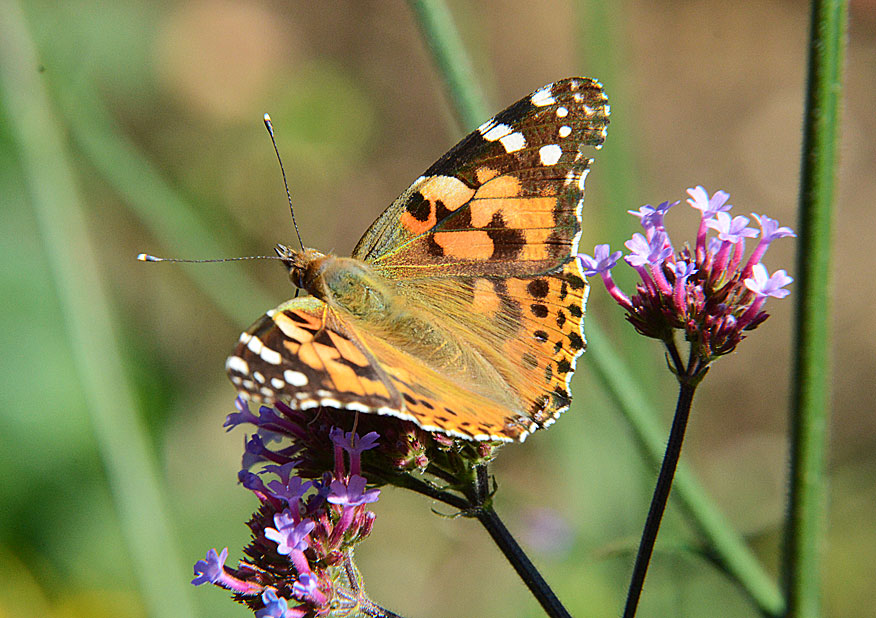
<point x="303" y="353"/>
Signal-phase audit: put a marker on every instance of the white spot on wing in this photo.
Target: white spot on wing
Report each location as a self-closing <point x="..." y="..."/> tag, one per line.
<point x="562" y="112"/>
<point x="582" y="178"/>
<point x="565" y="131"/>
<point x="357" y="407"/>
<point x="543" y="96"/>
<point x="295" y="378"/>
<point x="550" y="154"/>
<point x="486" y="127"/>
<point x="235" y="363"/>
<point x="259" y="377"/>
<point x="270" y="356"/>
<point x="254" y="344"/>
<point x="496" y="132"/>
<point x="277" y="383"/>
<point x="513" y="142"/>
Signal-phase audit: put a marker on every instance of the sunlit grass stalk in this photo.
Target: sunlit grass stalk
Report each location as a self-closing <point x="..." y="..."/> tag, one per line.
<point x="726" y="544"/>
<point x="452" y="59"/>
<point x="129" y="461"/>
<point x="811" y="373"/>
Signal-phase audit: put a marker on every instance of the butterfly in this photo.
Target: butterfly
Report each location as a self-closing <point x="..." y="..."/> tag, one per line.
<point x="461" y="307"/>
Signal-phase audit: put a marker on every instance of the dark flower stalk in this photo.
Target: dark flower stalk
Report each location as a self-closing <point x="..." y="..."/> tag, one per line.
<point x="707" y="293"/>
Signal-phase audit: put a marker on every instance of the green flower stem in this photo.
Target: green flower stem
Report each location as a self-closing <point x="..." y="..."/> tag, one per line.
<point x="454" y="65"/>
<point x="725" y="543"/>
<point x="811" y="372"/>
<point x="124" y="445"/>
<point x="661" y="495"/>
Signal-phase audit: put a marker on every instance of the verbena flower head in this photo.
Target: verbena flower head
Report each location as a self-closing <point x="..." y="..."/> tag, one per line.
<point x="708" y="292"/>
<point x="315" y="482"/>
<point x="313" y="511"/>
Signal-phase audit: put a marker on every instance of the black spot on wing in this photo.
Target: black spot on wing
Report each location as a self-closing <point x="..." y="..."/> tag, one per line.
<point x="418" y="206"/>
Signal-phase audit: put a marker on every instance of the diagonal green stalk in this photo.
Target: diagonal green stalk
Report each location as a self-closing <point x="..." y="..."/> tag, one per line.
<point x="811" y="372"/>
<point x="128" y="458"/>
<point x="729" y="548"/>
<point x="454" y="64"/>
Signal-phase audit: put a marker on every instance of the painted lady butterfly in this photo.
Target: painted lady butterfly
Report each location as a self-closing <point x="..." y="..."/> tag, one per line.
<point x="461" y="307"/>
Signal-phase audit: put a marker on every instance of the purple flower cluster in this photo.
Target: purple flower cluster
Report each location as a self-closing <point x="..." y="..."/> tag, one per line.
<point x="710" y="292"/>
<point x="300" y="558"/>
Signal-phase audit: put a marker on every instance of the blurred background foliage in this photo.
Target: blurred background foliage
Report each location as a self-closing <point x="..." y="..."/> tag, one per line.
<point x="159" y="108"/>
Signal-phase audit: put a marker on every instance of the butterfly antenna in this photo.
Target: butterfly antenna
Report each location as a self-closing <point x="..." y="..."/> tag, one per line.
<point x="270" y="128"/>
<point x="147" y="257"/>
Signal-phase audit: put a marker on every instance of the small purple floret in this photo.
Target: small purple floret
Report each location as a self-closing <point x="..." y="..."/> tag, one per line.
<point x="275" y="607"/>
<point x="289" y="535"/>
<point x="305" y="586"/>
<point x="602" y="262"/>
<point x="212" y="569"/>
<point x="353" y="493"/>
<point x="292" y="491"/>
<point x="731" y="229"/>
<point x="708" y="206"/>
<point x="651" y="252"/>
<point x="652" y="218"/>
<point x="762" y="284"/>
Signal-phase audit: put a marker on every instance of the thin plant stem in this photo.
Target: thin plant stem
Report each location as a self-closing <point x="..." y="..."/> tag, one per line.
<point x="521" y="563"/>
<point x="724" y="543"/>
<point x="811" y="372"/>
<point x="454" y="64"/>
<point x="489" y="519"/>
<point x="661" y="494"/>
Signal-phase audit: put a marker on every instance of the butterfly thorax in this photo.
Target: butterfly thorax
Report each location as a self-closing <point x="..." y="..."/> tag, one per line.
<point x="342" y="283"/>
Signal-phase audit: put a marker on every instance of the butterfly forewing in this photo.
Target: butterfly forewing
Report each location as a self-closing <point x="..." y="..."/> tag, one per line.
<point x="503" y="201"/>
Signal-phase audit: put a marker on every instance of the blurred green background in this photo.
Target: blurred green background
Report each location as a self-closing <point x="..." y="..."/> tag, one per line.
<point x="140" y="122"/>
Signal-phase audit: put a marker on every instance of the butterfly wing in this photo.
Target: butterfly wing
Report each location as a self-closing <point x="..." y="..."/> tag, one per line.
<point x="484" y="241"/>
<point x="505" y="200"/>
<point x="307" y="353"/>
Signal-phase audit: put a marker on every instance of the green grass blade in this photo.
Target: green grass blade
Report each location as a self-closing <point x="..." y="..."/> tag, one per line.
<point x="811" y="373"/>
<point x="128" y="459"/>
<point x="454" y="64"/>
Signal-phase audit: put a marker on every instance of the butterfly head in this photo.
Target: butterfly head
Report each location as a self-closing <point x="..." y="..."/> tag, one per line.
<point x="298" y="263"/>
